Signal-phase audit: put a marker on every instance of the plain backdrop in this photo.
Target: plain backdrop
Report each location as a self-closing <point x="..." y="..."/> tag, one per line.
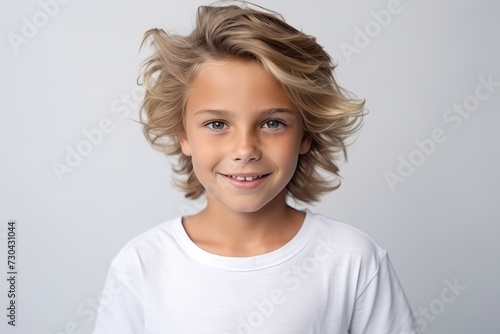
<point x="421" y="178"/>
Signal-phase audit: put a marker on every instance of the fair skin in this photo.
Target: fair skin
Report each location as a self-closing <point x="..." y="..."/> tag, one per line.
<point x="244" y="138"/>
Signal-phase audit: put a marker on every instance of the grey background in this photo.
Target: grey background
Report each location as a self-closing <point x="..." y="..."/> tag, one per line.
<point x="439" y="225"/>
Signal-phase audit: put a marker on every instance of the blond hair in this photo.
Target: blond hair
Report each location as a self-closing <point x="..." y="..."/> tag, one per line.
<point x="329" y="113"/>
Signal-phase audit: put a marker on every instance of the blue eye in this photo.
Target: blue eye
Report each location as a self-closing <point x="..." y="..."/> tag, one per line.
<point x="273" y="124"/>
<point x="216" y="125"/>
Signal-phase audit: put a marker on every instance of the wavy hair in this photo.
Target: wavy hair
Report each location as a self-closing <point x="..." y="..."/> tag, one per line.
<point x="330" y="114"/>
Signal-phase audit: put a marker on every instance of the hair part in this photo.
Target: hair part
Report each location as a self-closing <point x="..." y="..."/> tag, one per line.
<point x="330" y="114"/>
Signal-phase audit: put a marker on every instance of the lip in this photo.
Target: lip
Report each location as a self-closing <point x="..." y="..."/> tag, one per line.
<point x="245" y="185"/>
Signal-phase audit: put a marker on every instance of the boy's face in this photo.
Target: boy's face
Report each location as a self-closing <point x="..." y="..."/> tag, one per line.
<point x="242" y="134"/>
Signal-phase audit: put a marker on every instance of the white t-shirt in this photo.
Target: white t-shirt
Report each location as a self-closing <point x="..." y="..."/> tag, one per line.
<point x="329" y="279"/>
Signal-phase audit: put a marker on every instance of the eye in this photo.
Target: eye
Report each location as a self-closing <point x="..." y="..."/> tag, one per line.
<point x="273" y="124"/>
<point x="215" y="125"/>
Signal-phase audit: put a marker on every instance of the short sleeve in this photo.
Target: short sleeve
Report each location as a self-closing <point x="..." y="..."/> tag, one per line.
<point x="120" y="310"/>
<point x="382" y="307"/>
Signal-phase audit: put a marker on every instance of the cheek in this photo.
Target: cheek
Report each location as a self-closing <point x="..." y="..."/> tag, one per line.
<point x="204" y="153"/>
<point x="285" y="155"/>
<point x="287" y="147"/>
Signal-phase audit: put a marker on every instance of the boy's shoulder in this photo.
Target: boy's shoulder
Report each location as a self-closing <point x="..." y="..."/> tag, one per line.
<point x="153" y="236"/>
<point x="146" y="246"/>
<point x="344" y="243"/>
<point x="344" y="236"/>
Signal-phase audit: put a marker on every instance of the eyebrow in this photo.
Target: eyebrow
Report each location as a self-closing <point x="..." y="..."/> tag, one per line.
<point x="265" y="112"/>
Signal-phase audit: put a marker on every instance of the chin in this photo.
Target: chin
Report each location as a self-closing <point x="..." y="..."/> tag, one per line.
<point x="245" y="208"/>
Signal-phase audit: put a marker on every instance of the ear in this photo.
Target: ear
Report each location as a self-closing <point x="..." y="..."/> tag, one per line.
<point x="305" y="144"/>
<point x="185" y="145"/>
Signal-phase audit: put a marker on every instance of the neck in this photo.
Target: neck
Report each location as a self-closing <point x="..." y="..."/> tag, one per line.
<point x="223" y="231"/>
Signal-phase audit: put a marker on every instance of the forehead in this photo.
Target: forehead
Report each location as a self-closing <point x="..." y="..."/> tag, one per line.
<point x="237" y="86"/>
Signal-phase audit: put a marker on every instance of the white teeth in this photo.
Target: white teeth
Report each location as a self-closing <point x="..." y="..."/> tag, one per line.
<point x="244" y="178"/>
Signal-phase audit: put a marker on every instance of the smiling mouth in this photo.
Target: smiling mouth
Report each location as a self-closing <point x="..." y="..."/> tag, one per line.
<point x="245" y="178"/>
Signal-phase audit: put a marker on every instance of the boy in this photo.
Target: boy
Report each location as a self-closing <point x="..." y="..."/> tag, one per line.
<point x="250" y="106"/>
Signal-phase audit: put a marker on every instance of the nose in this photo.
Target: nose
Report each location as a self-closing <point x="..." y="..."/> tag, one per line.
<point x="246" y="147"/>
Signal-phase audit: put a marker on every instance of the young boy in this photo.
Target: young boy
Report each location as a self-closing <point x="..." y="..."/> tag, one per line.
<point x="250" y="106"/>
